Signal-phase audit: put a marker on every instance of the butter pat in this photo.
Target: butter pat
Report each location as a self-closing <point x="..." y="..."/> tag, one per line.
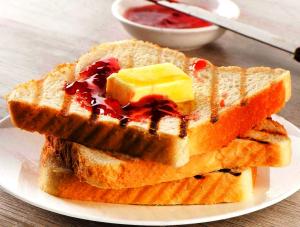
<point x="129" y="85"/>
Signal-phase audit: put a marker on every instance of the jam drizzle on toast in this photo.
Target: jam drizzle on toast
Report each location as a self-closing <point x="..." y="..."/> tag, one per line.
<point x="214" y="106"/>
<point x="90" y="93"/>
<point x="201" y="64"/>
<point x="243" y="86"/>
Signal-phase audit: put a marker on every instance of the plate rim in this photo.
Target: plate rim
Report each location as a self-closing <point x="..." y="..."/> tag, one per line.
<point x="219" y="217"/>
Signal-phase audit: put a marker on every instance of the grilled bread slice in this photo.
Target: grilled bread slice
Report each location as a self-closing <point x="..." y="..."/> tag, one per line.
<point x="217" y="187"/>
<point x="228" y="102"/>
<point x="265" y="145"/>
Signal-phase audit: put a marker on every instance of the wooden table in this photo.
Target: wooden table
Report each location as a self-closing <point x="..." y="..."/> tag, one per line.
<point x="35" y="35"/>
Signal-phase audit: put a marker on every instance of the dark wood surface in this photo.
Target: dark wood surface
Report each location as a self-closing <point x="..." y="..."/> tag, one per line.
<point x="35" y="35"/>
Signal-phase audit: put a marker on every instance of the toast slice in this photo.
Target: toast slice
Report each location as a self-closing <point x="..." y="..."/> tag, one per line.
<point x="228" y="102"/>
<point x="217" y="187"/>
<point x="265" y="145"/>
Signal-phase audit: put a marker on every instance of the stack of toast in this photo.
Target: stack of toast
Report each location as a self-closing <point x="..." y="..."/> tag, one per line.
<point x="208" y="156"/>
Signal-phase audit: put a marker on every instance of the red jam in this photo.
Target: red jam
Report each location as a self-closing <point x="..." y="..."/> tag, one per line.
<point x="154" y="107"/>
<point x="96" y="74"/>
<point x="162" y="17"/>
<point x="199" y="65"/>
<point x="90" y="93"/>
<point x="222" y="103"/>
<point x="151" y="105"/>
<point x="91" y="86"/>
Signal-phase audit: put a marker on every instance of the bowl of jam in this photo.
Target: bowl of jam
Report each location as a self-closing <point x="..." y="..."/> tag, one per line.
<point x="170" y="28"/>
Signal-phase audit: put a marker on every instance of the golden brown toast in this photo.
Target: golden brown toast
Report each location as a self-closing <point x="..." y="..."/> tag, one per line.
<point x="217" y="187"/>
<point x="229" y="101"/>
<point x="265" y="145"/>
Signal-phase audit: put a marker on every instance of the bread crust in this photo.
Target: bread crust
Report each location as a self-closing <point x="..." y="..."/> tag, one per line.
<point x="265" y="145"/>
<point x="217" y="187"/>
<point x="237" y="120"/>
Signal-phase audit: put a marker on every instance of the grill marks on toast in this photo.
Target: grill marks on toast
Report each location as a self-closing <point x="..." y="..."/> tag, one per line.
<point x="101" y="134"/>
<point x="130" y="61"/>
<point x="257" y="156"/>
<point x="38" y="91"/>
<point x="90" y="137"/>
<point x="196" y="189"/>
<point x="144" y="144"/>
<point x="183" y="127"/>
<point x="28" y="117"/>
<point x="130" y="139"/>
<point x="214" y="106"/>
<point x="74" y="131"/>
<point x="155" y="118"/>
<point x="93" y="117"/>
<point x="225" y="190"/>
<point x="138" y="142"/>
<point x="41" y="117"/>
<point x="104" y="193"/>
<point x="271" y="127"/>
<point x="37" y="98"/>
<point x="159" y="55"/>
<point x="273" y="132"/>
<point x="186" y="66"/>
<point x="141" y="195"/>
<point x="120" y="194"/>
<point x="243" y="86"/>
<point x="158" y="194"/>
<point x="66" y="104"/>
<point x="154" y="121"/>
<point x="67" y="98"/>
<point x="214" y="90"/>
<point x="185" y="191"/>
<point x="268" y="127"/>
<point x="232" y="172"/>
<point x="210" y="191"/>
<point x="74" y="134"/>
<point x="257" y="140"/>
<point x="110" y="137"/>
<point x="192" y="192"/>
<point x="263" y="155"/>
<point x="180" y="188"/>
<point x="214" y="95"/>
<point x="161" y="194"/>
<point x="124" y="121"/>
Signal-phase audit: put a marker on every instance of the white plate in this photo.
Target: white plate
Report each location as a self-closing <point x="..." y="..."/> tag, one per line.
<point x="19" y="156"/>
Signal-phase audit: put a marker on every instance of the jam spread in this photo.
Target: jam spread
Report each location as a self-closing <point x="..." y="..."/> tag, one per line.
<point x="151" y="105"/>
<point x="199" y="65"/>
<point x="154" y="107"/>
<point x="236" y="174"/>
<point x="90" y="93"/>
<point x="91" y="86"/>
<point x="199" y="177"/>
<point x="162" y="17"/>
<point x="222" y="103"/>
